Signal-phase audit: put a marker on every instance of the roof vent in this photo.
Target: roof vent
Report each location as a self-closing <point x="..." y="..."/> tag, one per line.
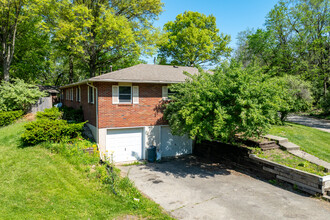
<point x="175" y="66"/>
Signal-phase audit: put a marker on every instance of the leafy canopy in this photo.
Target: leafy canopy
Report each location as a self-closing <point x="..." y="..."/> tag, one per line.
<point x="193" y="39"/>
<point x="18" y="95"/>
<point x="233" y="100"/>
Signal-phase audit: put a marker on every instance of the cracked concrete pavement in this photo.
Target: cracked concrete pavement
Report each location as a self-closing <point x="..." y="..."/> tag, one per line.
<point x="190" y="189"/>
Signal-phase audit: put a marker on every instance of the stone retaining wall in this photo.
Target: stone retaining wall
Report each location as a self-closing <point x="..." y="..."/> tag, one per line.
<point x="242" y="158"/>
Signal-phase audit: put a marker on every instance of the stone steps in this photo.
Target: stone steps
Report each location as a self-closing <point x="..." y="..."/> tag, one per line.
<point x="289" y="146"/>
<point x="279" y="140"/>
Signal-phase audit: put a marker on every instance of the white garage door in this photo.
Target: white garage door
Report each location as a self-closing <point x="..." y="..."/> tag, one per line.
<point x="125" y="143"/>
<point x="172" y="145"/>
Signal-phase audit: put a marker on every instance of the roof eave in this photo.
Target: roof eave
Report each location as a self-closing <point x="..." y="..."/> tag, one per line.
<point x="116" y="80"/>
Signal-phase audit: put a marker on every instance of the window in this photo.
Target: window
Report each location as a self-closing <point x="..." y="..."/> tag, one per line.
<point x="71" y="94"/>
<point x="67" y="94"/>
<point x="125" y="94"/>
<point x="91" y="95"/>
<point x="167" y="93"/>
<point x="78" y="94"/>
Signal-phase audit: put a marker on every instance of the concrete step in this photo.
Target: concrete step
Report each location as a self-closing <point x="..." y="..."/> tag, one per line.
<point x="279" y="140"/>
<point x="289" y="146"/>
<point x="269" y="146"/>
<point x="311" y="159"/>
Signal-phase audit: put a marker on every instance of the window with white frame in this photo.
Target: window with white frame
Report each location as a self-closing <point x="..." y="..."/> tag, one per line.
<point x="125" y="94"/>
<point x="167" y="93"/>
<point x="67" y="94"/>
<point x="71" y="94"/>
<point x="90" y="95"/>
<point x="78" y="94"/>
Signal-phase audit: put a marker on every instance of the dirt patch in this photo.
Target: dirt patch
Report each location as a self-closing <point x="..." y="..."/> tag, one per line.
<point x="129" y="217"/>
<point x="30" y="116"/>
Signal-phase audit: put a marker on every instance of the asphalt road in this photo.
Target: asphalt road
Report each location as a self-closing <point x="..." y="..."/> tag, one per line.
<point x="321" y="124"/>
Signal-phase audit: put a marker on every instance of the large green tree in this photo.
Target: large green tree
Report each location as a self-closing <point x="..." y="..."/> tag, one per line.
<point x="193" y="39"/>
<point x="103" y="32"/>
<point x="296" y="41"/>
<point x="233" y="100"/>
<point x="11" y="14"/>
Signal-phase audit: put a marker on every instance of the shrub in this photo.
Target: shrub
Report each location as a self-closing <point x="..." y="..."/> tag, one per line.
<point x="325" y="104"/>
<point x="9" y="117"/>
<point x="18" y="95"/>
<point x="50" y="130"/>
<point x="233" y="100"/>
<point x="295" y="95"/>
<point x="51" y="113"/>
<point x="71" y="114"/>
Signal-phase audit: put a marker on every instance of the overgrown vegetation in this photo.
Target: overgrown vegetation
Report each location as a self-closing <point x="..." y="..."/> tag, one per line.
<point x="290" y="160"/>
<point x="233" y="100"/>
<point x="311" y="140"/>
<point x="71" y="114"/>
<point x="9" y="117"/>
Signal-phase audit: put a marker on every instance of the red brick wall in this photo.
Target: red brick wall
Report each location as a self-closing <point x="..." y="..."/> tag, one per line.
<point x="146" y="113"/>
<point x="88" y="108"/>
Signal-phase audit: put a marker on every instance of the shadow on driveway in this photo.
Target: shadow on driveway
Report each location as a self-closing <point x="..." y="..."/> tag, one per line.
<point x="181" y="167"/>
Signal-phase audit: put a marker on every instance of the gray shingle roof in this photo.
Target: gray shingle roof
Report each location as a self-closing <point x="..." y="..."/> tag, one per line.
<point x="144" y="73"/>
<point x="147" y="73"/>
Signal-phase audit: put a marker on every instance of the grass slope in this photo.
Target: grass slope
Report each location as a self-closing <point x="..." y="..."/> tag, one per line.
<point x="310" y="140"/>
<point x="37" y="184"/>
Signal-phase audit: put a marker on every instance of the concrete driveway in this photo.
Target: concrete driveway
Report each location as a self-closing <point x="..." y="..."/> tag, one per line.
<point x="191" y="189"/>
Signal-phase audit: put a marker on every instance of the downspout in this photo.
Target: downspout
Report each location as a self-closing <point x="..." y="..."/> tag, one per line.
<point x="96" y="112"/>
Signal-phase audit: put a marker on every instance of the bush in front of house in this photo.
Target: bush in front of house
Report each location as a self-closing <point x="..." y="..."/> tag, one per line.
<point x="9" y="117"/>
<point x="18" y="95"/>
<point x="71" y="114"/>
<point x="50" y="130"/>
<point x="51" y="113"/>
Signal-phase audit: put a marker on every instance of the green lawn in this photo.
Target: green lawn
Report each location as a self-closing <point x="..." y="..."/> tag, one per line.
<point x="38" y="184"/>
<point x="287" y="159"/>
<point x="310" y="140"/>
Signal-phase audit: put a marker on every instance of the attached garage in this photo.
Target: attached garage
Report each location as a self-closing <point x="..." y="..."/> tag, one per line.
<point x="126" y="144"/>
<point x="172" y="145"/>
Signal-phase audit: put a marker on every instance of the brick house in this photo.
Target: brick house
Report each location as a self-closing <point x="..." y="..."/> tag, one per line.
<point x="123" y="109"/>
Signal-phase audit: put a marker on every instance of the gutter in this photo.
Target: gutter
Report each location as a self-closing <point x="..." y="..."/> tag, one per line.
<point x="96" y="112"/>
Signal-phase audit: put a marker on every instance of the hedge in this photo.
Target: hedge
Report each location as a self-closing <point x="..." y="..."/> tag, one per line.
<point x="50" y="113"/>
<point x="50" y="130"/>
<point x="9" y="117"/>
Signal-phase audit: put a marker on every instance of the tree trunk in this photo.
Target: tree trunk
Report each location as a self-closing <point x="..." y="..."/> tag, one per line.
<point x="325" y="88"/>
<point x="71" y="68"/>
<point x="5" y="68"/>
<point x="92" y="67"/>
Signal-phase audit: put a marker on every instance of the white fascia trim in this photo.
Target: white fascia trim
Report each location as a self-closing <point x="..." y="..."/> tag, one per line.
<point x="119" y="128"/>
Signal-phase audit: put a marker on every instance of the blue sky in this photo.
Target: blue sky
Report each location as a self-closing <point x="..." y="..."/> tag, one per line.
<point x="232" y="16"/>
